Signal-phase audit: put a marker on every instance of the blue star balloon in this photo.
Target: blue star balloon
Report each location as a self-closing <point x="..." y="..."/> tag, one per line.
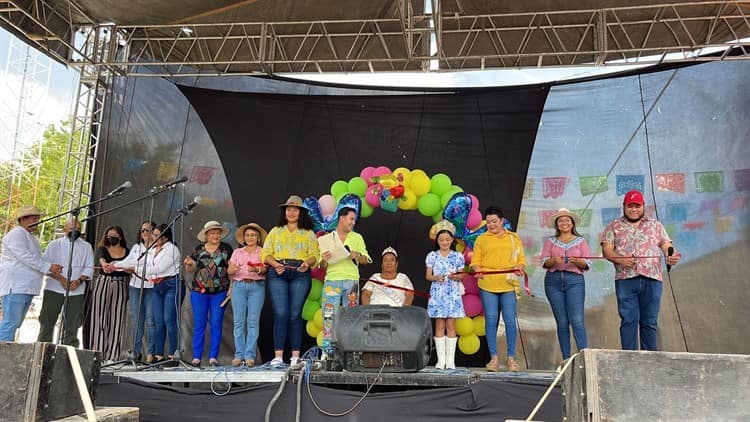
<point x="323" y="224"/>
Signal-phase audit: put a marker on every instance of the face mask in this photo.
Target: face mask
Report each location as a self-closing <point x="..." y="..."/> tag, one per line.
<point x="74" y="234"/>
<point x="113" y="241"/>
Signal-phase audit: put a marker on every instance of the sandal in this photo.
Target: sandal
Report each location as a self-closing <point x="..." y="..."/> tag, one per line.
<point x="236" y="362"/>
<point x="213" y="362"/>
<point x="493" y="365"/>
<point x="196" y="363"/>
<point x="249" y="363"/>
<point x="512" y="365"/>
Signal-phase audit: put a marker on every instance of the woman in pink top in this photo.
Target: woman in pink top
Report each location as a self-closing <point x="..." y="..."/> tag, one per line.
<point x="564" y="284"/>
<point x="248" y="291"/>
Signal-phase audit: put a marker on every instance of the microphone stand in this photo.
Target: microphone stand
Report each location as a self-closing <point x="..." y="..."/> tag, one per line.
<point x="132" y="356"/>
<point x="176" y="359"/>
<point x="75" y="212"/>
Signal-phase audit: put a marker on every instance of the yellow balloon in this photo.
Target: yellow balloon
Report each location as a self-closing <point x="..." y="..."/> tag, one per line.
<point x="318" y="319"/>
<point x="408" y="201"/>
<point x="405" y="175"/>
<point x="479" y="325"/>
<point x="464" y="326"/>
<point x="469" y="344"/>
<point x="420" y="184"/>
<point x="312" y="329"/>
<point x="418" y="172"/>
<point x="320" y="339"/>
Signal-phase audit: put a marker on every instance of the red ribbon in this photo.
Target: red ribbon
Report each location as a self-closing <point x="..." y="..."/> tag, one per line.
<point x="406" y="289"/>
<point x="525" y="277"/>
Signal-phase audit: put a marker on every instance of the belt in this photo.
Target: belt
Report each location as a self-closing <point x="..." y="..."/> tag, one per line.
<point x="290" y="262"/>
<point x="161" y="279"/>
<point x="249" y="280"/>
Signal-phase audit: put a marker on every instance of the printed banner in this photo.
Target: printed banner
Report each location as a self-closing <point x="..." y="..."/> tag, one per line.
<point x="742" y="179"/>
<point x="709" y="181"/>
<point x="202" y="174"/>
<point x="544" y="215"/>
<point x="712" y="205"/>
<point x="609" y="214"/>
<point x="671" y="182"/>
<point x="585" y="216"/>
<point x="626" y="183"/>
<point x="167" y="171"/>
<point x="592" y="184"/>
<point x="553" y="187"/>
<point x="677" y="212"/>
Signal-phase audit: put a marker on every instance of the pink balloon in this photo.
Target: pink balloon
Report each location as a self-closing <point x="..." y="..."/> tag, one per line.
<point x="468" y="253"/>
<point x="327" y="205"/>
<point x="366" y="174"/>
<point x="472" y="305"/>
<point x="474" y="202"/>
<point x="474" y="219"/>
<point x="318" y="273"/>
<point x="381" y="171"/>
<point x="372" y="195"/>
<point x="470" y="285"/>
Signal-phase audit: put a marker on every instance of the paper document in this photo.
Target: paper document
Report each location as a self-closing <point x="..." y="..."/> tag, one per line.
<point x="331" y="243"/>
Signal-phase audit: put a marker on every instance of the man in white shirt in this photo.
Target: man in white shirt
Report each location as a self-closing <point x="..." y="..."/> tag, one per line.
<point x="393" y="289"/>
<point x="21" y="270"/>
<point x="58" y="251"/>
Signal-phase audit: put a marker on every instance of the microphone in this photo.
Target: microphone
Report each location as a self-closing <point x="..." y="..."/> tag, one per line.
<point x="670" y="251"/>
<point x="170" y="184"/>
<point x="118" y="190"/>
<point x="189" y="207"/>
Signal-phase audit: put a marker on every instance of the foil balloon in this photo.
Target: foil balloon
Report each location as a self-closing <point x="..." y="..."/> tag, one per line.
<point x="313" y="209"/>
<point x="457" y="212"/>
<point x="328" y="224"/>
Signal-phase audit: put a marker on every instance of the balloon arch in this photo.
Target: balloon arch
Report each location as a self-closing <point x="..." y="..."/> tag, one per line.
<point x="436" y="197"/>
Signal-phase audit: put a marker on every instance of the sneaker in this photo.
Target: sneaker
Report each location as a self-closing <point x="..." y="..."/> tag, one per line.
<point x="493" y="365"/>
<point x="512" y="365"/>
<point x="293" y="361"/>
<point x="276" y="362"/>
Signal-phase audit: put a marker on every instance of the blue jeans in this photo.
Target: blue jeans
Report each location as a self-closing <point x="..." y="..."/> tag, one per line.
<point x="142" y="317"/>
<point x="207" y="310"/>
<point x="493" y="303"/>
<point x="15" y="307"/>
<point x="339" y="297"/>
<point x="638" y="301"/>
<point x="288" y="292"/>
<point x="165" y="315"/>
<point x="566" y="293"/>
<point x="247" y="302"/>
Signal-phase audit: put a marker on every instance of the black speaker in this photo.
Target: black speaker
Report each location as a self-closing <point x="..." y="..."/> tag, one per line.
<point x="372" y="337"/>
<point x="38" y="382"/>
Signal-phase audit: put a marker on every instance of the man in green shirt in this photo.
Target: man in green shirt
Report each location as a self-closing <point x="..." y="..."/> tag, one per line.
<point x="342" y="277"/>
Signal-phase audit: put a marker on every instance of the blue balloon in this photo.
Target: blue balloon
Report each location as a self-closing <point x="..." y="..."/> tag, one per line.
<point x="322" y="224"/>
<point x="457" y="212"/>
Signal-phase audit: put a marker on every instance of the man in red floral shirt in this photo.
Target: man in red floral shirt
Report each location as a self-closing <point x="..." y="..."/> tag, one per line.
<point x="634" y="244"/>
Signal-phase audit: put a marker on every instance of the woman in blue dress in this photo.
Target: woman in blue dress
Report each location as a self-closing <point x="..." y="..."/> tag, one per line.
<point x="444" y="271"/>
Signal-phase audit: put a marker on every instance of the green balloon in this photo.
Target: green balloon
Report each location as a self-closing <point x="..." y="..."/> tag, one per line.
<point x="309" y="309"/>
<point x="428" y="204"/>
<point x="437" y="217"/>
<point x="339" y="187"/>
<point x="339" y="196"/>
<point x="316" y="288"/>
<point x="440" y="183"/>
<point x="357" y="186"/>
<point x="444" y="198"/>
<point x="366" y="210"/>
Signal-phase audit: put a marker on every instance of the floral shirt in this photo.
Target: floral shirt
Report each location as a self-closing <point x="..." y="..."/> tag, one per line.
<point x="643" y="240"/>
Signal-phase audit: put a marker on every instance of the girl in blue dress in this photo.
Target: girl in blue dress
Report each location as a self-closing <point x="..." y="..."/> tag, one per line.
<point x="444" y="265"/>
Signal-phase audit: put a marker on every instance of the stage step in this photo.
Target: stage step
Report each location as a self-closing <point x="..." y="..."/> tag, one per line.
<point x="108" y="414"/>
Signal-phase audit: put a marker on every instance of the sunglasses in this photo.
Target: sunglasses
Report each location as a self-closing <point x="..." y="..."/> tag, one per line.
<point x="146" y="230"/>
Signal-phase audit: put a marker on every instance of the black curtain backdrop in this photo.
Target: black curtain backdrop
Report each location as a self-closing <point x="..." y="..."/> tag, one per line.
<point x="273" y="145"/>
<point x="483" y="401"/>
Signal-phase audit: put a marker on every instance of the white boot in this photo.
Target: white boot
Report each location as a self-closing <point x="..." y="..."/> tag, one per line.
<point x="450" y="352"/>
<point x="440" y="350"/>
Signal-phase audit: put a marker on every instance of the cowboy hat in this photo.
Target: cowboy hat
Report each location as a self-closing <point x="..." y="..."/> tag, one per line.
<point x="27" y="210"/>
<point x="211" y="225"/>
<point x="295" y="201"/>
<point x="239" y="236"/>
<point x="563" y="212"/>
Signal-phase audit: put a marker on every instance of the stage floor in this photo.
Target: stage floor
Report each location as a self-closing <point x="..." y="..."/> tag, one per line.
<point x="427" y="377"/>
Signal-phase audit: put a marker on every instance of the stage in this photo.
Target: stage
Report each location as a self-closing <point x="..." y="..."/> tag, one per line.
<point x="242" y="393"/>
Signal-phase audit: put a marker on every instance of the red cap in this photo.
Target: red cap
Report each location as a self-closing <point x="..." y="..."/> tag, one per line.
<point x="633" y="197"/>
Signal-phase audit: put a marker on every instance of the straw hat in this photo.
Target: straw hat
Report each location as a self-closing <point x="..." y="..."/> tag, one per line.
<point x="440" y="226"/>
<point x="239" y="236"/>
<point x="562" y="212"/>
<point x="294" y="201"/>
<point x="210" y="226"/>
<point x="27" y="210"/>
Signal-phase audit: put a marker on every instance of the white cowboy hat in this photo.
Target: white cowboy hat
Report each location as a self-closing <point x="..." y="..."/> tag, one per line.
<point x="211" y="225"/>
<point x="562" y="212"/>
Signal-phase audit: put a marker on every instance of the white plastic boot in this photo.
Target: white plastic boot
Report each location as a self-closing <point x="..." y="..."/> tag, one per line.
<point x="440" y="350"/>
<point x="450" y="352"/>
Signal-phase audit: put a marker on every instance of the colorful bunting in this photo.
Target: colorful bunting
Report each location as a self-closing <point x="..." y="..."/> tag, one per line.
<point x="593" y="184"/>
<point x="742" y="179"/>
<point x="553" y="187"/>
<point x="167" y="171"/>
<point x="528" y="190"/>
<point x="627" y="183"/>
<point x="677" y="212"/>
<point x="709" y="181"/>
<point x="671" y="182"/>
<point x="202" y="174"/>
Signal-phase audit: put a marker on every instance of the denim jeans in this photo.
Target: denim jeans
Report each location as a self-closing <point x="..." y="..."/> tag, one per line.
<point x="247" y="302"/>
<point x="638" y="301"/>
<point x="566" y="293"/>
<point x="165" y="315"/>
<point x="15" y="307"/>
<point x="207" y="310"/>
<point x="339" y="297"/>
<point x="142" y="317"/>
<point x="287" y="292"/>
<point x="493" y="303"/>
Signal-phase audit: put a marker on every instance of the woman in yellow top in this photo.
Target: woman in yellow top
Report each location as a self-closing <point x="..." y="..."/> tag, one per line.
<point x="496" y="250"/>
<point x="290" y="250"/>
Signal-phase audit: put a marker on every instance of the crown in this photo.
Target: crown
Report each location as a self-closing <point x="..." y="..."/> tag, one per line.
<point x="440" y="226"/>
